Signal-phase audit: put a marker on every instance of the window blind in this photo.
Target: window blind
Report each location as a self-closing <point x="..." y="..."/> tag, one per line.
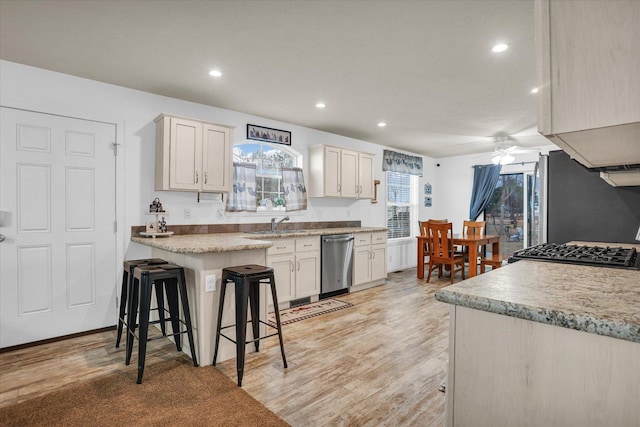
<point x="399" y="205"/>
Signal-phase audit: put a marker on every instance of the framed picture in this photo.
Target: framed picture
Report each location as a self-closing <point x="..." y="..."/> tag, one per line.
<point x="427" y="202"/>
<point x="260" y="133"/>
<point x="427" y="188"/>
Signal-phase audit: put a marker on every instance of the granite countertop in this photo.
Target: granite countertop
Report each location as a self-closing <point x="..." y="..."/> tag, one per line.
<point x="599" y="300"/>
<point x="229" y="242"/>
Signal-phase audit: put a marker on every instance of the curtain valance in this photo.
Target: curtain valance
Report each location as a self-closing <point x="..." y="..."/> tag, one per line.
<point x="399" y="162"/>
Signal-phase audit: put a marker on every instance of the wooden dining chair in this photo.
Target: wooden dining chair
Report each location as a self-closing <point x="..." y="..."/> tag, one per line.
<point x="422" y="225"/>
<point x="473" y="228"/>
<point x="441" y="251"/>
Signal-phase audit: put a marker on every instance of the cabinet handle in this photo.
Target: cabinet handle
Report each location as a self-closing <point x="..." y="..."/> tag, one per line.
<point x="298" y="263"/>
<point x="339" y="188"/>
<point x="281" y="247"/>
<point x="306" y="246"/>
<point x="196" y="177"/>
<point x="291" y="263"/>
<point x="374" y="254"/>
<point x="205" y="177"/>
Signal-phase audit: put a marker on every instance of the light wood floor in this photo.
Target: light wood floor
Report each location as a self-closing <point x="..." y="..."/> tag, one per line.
<point x="379" y="362"/>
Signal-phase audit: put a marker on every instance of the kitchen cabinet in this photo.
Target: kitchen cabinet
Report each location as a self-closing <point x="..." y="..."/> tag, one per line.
<point x="588" y="70"/>
<point x="365" y="175"/>
<point x="296" y="266"/>
<point x="338" y="172"/>
<point x="525" y="350"/>
<point x="192" y="155"/>
<point x="369" y="259"/>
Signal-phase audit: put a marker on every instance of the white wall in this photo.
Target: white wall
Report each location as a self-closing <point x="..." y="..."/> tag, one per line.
<point x="455" y="177"/>
<point x="134" y="112"/>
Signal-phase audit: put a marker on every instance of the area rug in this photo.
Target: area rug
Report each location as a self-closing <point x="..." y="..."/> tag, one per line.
<point x="173" y="392"/>
<point x="302" y="312"/>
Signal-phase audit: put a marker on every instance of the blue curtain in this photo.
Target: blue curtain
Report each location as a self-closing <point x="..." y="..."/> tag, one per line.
<point x="485" y="179"/>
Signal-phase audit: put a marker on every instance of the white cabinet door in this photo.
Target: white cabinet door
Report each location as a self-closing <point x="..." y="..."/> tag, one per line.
<point x="337" y="172"/>
<point x="332" y="172"/>
<point x="192" y="155"/>
<point x="365" y="176"/>
<point x="307" y="274"/>
<point x="349" y="173"/>
<point x="588" y="59"/>
<point x="379" y="262"/>
<point x="284" y="273"/>
<point x="216" y="150"/>
<point x="185" y="158"/>
<point x="369" y="257"/>
<point x="361" y="265"/>
<point x="57" y="262"/>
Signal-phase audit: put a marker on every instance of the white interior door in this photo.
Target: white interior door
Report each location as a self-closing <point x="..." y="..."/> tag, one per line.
<point x="57" y="215"/>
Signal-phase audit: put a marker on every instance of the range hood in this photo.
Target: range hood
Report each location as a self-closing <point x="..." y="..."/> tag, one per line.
<point x="612" y="150"/>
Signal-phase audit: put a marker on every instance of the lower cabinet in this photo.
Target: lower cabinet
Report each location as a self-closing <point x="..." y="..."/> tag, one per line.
<point x="369" y="259"/>
<point x="296" y="266"/>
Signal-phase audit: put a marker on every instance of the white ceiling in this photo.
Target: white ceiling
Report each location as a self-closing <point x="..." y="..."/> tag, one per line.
<point x="424" y="67"/>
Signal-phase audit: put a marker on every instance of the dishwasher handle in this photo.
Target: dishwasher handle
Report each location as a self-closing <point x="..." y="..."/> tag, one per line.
<point x="343" y="239"/>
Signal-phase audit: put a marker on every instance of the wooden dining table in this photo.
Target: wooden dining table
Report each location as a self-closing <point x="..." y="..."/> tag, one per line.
<point x="469" y="240"/>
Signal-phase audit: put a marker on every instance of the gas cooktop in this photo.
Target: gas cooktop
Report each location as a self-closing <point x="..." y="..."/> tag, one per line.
<point x="604" y="256"/>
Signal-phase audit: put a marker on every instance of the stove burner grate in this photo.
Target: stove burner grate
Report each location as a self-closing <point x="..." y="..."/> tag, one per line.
<point x="581" y="254"/>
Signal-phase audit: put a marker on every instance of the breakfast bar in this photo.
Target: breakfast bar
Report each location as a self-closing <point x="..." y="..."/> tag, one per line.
<point x="203" y="257"/>
<point x="544" y="343"/>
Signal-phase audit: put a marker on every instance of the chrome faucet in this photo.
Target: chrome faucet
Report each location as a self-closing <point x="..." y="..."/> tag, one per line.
<point x="274" y="224"/>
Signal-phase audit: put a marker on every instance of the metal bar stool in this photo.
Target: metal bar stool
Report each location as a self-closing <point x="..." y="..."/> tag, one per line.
<point x="127" y="278"/>
<point x="139" y="298"/>
<point x="247" y="279"/>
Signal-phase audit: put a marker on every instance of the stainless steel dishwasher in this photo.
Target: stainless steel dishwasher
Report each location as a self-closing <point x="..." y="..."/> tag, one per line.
<point x="336" y="260"/>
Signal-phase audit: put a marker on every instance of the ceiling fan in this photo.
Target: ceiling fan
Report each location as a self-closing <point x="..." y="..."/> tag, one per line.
<point x="503" y="153"/>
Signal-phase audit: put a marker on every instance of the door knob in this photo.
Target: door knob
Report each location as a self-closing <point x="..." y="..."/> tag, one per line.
<point x="1" y="237"/>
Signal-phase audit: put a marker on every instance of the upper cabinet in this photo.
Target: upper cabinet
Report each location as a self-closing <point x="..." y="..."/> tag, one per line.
<point x="338" y="172"/>
<point x="192" y="155"/>
<point x="589" y="85"/>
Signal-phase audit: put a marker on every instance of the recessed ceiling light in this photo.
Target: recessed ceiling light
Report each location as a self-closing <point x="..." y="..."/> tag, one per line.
<point x="215" y="73"/>
<point x="500" y="47"/>
<point x="382" y="124"/>
<point x="534" y="90"/>
<point x="321" y="105"/>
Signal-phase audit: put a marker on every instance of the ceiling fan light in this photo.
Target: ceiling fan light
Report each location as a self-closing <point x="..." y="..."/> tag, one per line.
<point x="503" y="158"/>
<point x="506" y="159"/>
<point x="500" y="47"/>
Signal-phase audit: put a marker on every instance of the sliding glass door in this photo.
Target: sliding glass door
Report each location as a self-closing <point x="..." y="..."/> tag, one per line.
<point x="506" y="213"/>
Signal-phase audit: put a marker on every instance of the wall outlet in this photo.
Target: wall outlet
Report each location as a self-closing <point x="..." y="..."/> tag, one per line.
<point x="187" y="212"/>
<point x="210" y="283"/>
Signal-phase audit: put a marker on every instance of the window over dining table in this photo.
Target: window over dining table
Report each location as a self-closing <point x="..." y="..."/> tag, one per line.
<point x="402" y="204"/>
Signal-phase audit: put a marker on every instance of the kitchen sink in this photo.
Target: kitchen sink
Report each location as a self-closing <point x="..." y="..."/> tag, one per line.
<point x="278" y="232"/>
